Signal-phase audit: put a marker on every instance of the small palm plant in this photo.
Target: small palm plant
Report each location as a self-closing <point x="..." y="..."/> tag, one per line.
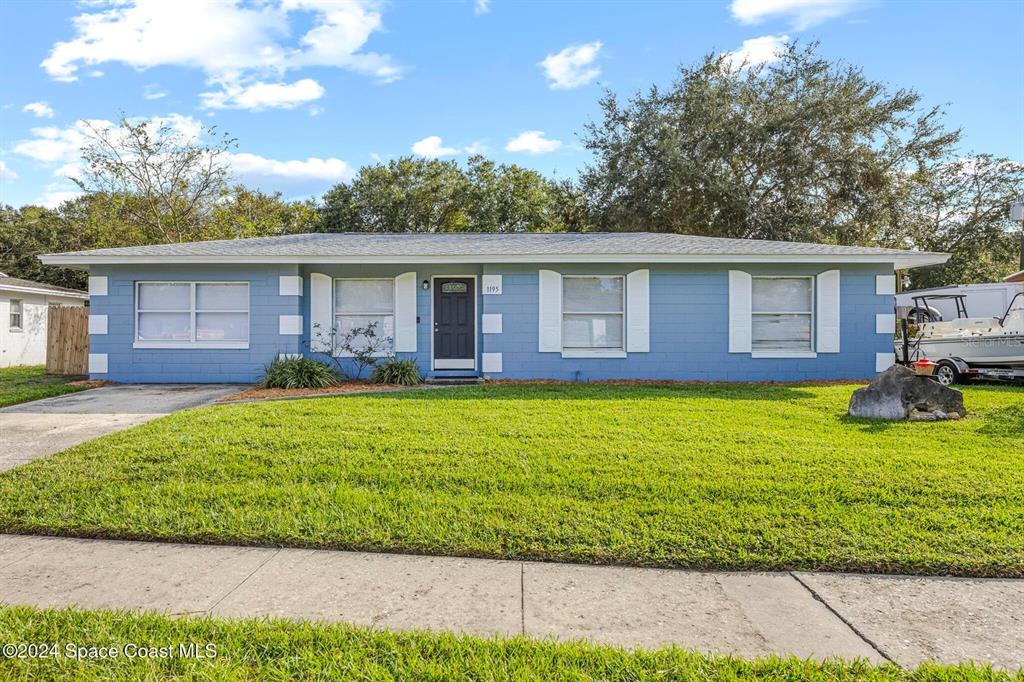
<point x="299" y="373"/>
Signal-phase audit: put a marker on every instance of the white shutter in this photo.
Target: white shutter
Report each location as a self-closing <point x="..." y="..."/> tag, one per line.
<point x="321" y="312"/>
<point x="740" y="302"/>
<point x="405" y="313"/>
<point x="828" y="312"/>
<point x="550" y="312"/>
<point x="638" y="311"/>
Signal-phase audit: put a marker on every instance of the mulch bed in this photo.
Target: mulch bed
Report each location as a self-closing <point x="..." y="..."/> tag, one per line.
<point x="352" y="386"/>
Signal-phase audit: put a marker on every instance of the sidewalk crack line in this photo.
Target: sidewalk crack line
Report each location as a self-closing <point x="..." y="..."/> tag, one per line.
<point x="522" y="597"/>
<point x="244" y="580"/>
<point x="847" y="623"/>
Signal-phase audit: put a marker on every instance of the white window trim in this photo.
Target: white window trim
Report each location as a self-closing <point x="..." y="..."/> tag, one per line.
<point x="20" y="327"/>
<point x="193" y="342"/>
<point x="769" y="353"/>
<point x="582" y="351"/>
<point x="387" y="353"/>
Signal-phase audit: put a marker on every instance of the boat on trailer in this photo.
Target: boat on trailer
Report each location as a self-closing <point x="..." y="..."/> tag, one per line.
<point x="967" y="346"/>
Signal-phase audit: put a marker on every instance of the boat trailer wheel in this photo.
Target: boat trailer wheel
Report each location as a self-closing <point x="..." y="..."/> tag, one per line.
<point x="946" y="373"/>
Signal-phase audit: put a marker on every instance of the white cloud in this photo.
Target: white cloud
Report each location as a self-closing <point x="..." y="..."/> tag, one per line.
<point x="239" y="47"/>
<point x="60" y="149"/>
<point x="256" y="170"/>
<point x="6" y="173"/>
<point x="481" y="7"/>
<point x="153" y="91"/>
<point x="257" y="96"/>
<point x="477" y="147"/>
<point x="532" y="142"/>
<point x="55" y="195"/>
<point x="573" y="66"/>
<point x="433" y="148"/>
<point x="756" y="51"/>
<point x="39" y="109"/>
<point x="803" y="13"/>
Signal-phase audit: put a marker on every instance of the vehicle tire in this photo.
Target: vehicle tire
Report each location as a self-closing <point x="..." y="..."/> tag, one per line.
<point x="946" y="373"/>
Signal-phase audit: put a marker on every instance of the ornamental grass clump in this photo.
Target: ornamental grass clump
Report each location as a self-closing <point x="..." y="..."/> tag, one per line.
<point x="401" y="372"/>
<point x="299" y="373"/>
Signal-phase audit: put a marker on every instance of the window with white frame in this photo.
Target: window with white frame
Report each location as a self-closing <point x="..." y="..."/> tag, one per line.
<point x="17" y="315"/>
<point x="593" y="312"/>
<point x="783" y="314"/>
<point x="182" y="314"/>
<point x="360" y="302"/>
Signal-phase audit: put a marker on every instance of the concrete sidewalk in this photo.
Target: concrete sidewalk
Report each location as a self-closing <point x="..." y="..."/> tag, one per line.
<point x="903" y="619"/>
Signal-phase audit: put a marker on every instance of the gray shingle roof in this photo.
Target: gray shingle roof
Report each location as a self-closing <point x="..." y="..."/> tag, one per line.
<point x="352" y="244"/>
<point x="16" y="282"/>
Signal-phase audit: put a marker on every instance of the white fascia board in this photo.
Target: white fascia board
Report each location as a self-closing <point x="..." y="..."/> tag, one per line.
<point x="898" y="262"/>
<point x="44" y="292"/>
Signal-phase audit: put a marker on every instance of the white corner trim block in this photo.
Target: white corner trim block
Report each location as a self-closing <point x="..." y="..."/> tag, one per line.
<point x="549" y="316"/>
<point x="289" y="325"/>
<point x="290" y="285"/>
<point x="405" y="313"/>
<point x="97" y="363"/>
<point x="885" y="285"/>
<point x="884" y="361"/>
<point x="740" y="311"/>
<point x="491" y="363"/>
<point x="638" y="311"/>
<point x="827" y="294"/>
<point x="321" y="312"/>
<point x="97" y="325"/>
<point x="885" y="323"/>
<point x="490" y="323"/>
<point x="97" y="286"/>
<point x="491" y="285"/>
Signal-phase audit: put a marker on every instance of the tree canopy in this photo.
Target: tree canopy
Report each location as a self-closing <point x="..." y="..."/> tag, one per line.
<point x="802" y="149"/>
<point x="413" y="194"/>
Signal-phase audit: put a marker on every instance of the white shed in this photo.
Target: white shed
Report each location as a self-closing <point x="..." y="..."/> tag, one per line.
<point x="23" y="318"/>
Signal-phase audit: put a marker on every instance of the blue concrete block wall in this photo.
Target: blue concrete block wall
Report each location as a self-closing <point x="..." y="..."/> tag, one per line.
<point x="688" y="333"/>
<point x="192" y="365"/>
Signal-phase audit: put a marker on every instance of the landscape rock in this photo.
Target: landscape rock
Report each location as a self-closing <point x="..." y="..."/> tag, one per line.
<point x="900" y="394"/>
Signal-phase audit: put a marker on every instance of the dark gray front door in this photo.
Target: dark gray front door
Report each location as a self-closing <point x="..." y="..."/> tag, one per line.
<point x="454" y="323"/>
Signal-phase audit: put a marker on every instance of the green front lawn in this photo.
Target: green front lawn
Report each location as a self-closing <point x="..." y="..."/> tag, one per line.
<point x="703" y="476"/>
<point x="21" y="384"/>
<point x="279" y="650"/>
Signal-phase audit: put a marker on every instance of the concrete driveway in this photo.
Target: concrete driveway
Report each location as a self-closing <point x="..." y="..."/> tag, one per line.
<point x="40" y="428"/>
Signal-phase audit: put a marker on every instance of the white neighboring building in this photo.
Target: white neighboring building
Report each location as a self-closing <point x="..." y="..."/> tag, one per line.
<point x="23" y="318"/>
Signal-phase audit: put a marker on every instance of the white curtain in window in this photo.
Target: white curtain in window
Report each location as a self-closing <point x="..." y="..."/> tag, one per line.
<point x="782" y="295"/>
<point x="364" y="296"/>
<point x="193" y="312"/>
<point x="360" y="302"/>
<point x="592" y="312"/>
<point x="782" y="314"/>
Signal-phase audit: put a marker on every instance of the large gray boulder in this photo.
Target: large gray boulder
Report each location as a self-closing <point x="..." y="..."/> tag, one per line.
<point x="899" y="394"/>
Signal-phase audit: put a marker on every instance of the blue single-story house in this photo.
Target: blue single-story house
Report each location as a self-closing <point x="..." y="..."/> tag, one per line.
<point x="520" y="306"/>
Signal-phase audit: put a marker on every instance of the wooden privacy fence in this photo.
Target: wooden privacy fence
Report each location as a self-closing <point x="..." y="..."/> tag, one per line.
<point x="67" y="340"/>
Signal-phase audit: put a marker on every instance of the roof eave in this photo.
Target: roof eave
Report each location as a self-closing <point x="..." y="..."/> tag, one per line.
<point x="899" y="261"/>
<point x="46" y="292"/>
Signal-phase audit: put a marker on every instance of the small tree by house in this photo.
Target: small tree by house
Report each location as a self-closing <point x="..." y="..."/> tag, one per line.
<point x="359" y="348"/>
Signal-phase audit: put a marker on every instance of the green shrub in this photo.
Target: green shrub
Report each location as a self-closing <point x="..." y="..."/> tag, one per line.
<point x="298" y="373"/>
<point x="401" y="372"/>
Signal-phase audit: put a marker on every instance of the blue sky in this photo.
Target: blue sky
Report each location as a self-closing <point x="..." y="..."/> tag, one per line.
<point x="313" y="89"/>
